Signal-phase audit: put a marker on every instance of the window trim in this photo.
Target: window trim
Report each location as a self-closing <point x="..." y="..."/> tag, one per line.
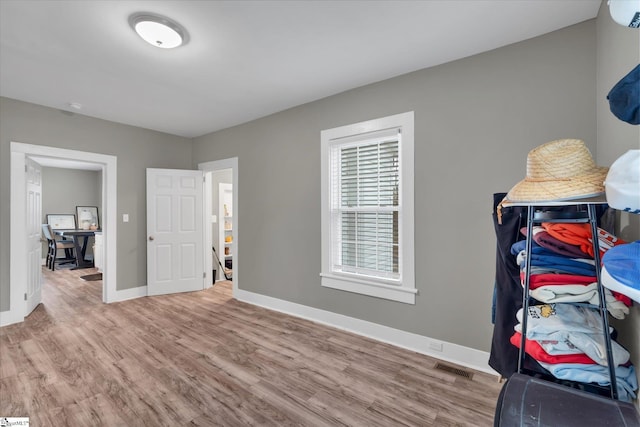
<point x="402" y="290"/>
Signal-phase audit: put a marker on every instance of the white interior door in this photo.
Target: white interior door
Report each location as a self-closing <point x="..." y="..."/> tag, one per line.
<point x="175" y="231"/>
<point x="34" y="233"/>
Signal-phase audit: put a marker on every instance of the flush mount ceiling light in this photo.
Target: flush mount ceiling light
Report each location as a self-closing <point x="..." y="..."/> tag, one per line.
<point x="158" y="31"/>
<point x="625" y="12"/>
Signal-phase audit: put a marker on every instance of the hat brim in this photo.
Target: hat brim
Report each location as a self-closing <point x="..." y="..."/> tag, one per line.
<point x="579" y="187"/>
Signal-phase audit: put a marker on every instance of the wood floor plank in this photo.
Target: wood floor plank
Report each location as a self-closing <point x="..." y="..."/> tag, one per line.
<point x="7" y="366"/>
<point x="403" y="412"/>
<point x="343" y="412"/>
<point x="15" y="396"/>
<point x="291" y="409"/>
<point x="205" y="359"/>
<point x="98" y="410"/>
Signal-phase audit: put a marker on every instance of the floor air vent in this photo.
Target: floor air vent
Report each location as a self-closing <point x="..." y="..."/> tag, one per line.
<point x="455" y="371"/>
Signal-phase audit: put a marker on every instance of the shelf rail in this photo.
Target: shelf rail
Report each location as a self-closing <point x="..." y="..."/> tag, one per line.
<point x="579" y="216"/>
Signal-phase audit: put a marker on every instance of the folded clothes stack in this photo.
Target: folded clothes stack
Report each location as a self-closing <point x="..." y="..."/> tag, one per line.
<point x="568" y="339"/>
<point x="562" y="266"/>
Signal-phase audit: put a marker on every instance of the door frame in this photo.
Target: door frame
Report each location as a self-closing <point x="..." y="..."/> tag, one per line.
<point x="230" y="163"/>
<point x="17" y="274"/>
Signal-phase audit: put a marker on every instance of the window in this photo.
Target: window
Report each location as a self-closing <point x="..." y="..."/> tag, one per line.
<point x="367" y="208"/>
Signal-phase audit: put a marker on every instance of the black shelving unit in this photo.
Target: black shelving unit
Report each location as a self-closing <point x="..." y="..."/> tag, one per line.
<point x="585" y="212"/>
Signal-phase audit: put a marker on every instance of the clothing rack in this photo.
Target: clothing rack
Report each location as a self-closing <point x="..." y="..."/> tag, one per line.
<point x="538" y="213"/>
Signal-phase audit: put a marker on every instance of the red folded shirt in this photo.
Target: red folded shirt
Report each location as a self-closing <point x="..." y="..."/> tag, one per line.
<point x="535" y="350"/>
<point x="546" y="279"/>
<point x="622" y="298"/>
<point x="580" y="235"/>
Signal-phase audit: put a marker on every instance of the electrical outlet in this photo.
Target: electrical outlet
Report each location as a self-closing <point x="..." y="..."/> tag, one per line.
<point x="435" y="345"/>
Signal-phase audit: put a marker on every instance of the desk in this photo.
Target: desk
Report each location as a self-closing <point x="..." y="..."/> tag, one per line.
<point x="80" y="250"/>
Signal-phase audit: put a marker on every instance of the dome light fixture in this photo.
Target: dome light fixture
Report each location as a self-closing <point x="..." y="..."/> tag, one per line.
<point x="158" y="31"/>
<point x="625" y="12"/>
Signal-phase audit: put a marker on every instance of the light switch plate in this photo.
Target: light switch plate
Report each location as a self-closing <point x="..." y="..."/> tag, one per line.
<point x="125" y="217"/>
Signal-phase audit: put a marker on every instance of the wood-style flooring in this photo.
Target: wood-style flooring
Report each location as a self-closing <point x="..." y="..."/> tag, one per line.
<point x="205" y="359"/>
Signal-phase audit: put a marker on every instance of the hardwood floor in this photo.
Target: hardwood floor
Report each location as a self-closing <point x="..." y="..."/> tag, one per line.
<point x="204" y="359"/>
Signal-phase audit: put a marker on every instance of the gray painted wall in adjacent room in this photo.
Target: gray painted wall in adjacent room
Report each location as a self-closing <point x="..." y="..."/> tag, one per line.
<point x="136" y="150"/>
<point x="64" y="189"/>
<point x="475" y="121"/>
<point x="618" y="53"/>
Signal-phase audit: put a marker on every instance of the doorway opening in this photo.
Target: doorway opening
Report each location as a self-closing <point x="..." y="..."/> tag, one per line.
<point x="20" y="269"/>
<point x="73" y="188"/>
<point x="221" y="224"/>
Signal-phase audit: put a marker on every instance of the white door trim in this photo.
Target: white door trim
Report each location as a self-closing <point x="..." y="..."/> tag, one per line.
<point x="231" y="163"/>
<point x="206" y="226"/>
<point x="19" y="152"/>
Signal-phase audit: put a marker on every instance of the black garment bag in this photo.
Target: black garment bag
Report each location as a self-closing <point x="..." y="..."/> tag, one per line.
<point x="507" y="222"/>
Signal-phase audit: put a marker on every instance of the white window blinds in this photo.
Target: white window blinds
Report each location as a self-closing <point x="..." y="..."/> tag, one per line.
<point x="365" y="205"/>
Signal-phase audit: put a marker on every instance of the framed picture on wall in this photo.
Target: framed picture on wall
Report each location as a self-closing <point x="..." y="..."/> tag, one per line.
<point x="88" y="217"/>
<point x="61" y="221"/>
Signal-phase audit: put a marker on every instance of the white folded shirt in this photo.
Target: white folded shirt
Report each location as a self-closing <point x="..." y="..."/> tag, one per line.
<point x="563" y="328"/>
<point x="580" y="293"/>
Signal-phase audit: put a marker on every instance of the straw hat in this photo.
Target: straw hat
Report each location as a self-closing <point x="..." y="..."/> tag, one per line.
<point x="559" y="170"/>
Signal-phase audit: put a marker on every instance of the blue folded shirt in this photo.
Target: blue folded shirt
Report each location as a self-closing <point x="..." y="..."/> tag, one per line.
<point x="542" y="257"/>
<point x="621" y="269"/>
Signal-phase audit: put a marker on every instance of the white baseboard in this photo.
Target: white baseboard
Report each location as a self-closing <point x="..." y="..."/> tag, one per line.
<point x="454" y="353"/>
<point x="132" y="293"/>
<point x="10" y="317"/>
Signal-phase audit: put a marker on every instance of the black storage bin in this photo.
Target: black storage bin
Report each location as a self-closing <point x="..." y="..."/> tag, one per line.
<point x="528" y="401"/>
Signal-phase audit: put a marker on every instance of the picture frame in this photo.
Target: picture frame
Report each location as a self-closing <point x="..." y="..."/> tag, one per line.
<point x="62" y="221"/>
<point x="88" y="218"/>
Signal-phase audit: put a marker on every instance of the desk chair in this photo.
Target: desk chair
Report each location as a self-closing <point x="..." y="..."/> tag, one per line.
<point x="54" y="245"/>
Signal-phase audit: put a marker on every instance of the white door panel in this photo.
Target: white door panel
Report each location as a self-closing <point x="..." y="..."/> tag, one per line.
<point x="175" y="232"/>
<point x="34" y="233"/>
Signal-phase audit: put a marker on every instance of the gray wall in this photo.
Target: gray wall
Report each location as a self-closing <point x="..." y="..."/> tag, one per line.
<point x="475" y="121"/>
<point x="64" y="189"/>
<point x="618" y="52"/>
<point x="136" y="150"/>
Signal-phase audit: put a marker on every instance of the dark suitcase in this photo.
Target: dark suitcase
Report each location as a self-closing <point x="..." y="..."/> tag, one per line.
<point x="528" y="401"/>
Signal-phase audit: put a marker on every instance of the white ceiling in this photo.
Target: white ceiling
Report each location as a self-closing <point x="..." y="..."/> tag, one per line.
<point x="245" y="59"/>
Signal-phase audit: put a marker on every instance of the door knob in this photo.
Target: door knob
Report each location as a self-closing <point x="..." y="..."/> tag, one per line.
<point x="151" y="238"/>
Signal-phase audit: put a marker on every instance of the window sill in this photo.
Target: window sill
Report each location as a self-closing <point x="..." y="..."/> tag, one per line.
<point x="380" y="290"/>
